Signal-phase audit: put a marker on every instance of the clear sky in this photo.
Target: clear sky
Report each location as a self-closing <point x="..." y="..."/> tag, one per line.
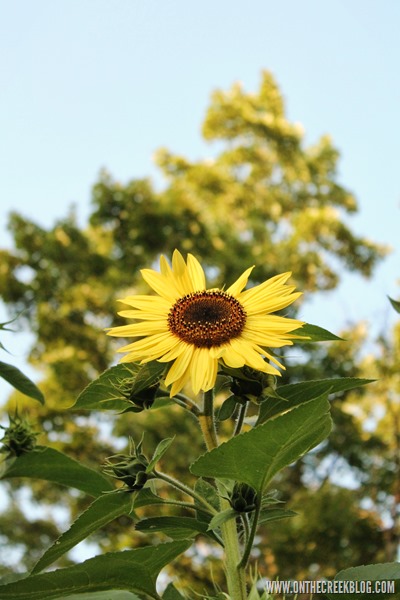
<point x="86" y="84"/>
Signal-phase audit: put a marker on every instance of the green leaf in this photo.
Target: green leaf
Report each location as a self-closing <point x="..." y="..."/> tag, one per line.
<point x="207" y="491"/>
<point x="20" y="382"/>
<point x="384" y="572"/>
<point x="103" y="510"/>
<point x="313" y="333"/>
<point x="132" y="570"/>
<point x="146" y="497"/>
<point x="298" y="393"/>
<point x="256" y="456"/>
<point x="109" y="595"/>
<point x="275" y="514"/>
<point x="159" y="452"/>
<point x="395" y="304"/>
<point x="222" y="517"/>
<point x="148" y="374"/>
<point x="227" y="408"/>
<point x="171" y="593"/>
<point x="103" y="393"/>
<point x="177" y="528"/>
<point x="51" y="465"/>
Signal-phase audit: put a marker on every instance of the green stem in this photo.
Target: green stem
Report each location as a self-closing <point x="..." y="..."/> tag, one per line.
<point x="207" y="421"/>
<point x="240" y="419"/>
<point x="186" y="490"/>
<point x="246" y="525"/>
<point x="251" y="536"/>
<point x="235" y="575"/>
<point x="183" y="401"/>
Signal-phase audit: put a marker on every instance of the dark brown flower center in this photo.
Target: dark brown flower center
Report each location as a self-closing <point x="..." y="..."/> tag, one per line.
<point x="206" y="319"/>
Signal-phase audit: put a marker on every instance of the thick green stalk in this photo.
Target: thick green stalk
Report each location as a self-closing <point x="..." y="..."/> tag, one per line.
<point x="235" y="575"/>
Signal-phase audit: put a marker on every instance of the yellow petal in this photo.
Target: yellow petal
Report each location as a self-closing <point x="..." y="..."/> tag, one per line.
<point x="160" y="284"/>
<point x="180" y="366"/>
<point x="196" y="274"/>
<point x="139" y="329"/>
<point x="202" y="369"/>
<point x="240" y="283"/>
<point x="270" y="288"/>
<point x="153" y="304"/>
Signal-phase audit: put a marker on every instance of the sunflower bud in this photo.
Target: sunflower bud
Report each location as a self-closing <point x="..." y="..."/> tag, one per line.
<point x="129" y="468"/>
<point x="243" y="498"/>
<point x="142" y="399"/>
<point x="145" y="398"/>
<point x="19" y="436"/>
<point x="252" y="385"/>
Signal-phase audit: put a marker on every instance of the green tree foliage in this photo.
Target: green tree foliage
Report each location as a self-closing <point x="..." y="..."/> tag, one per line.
<point x="265" y="198"/>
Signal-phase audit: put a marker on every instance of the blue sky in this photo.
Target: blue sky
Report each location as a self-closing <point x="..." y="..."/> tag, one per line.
<point x="86" y="84"/>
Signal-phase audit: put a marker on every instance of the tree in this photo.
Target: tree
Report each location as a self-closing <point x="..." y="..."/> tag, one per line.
<point x="266" y="199"/>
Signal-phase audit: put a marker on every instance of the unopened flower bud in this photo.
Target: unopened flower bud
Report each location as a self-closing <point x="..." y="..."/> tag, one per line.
<point x="243" y="498"/>
<point x="129" y="468"/>
<point x="19" y="436"/>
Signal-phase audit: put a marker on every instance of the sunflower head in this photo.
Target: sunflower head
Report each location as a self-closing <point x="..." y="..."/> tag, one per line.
<point x="194" y="328"/>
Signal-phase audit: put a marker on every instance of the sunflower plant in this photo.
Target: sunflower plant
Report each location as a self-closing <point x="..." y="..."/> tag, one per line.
<point x="212" y="353"/>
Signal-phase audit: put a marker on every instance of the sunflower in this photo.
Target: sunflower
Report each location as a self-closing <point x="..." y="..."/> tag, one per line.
<point x="195" y="328"/>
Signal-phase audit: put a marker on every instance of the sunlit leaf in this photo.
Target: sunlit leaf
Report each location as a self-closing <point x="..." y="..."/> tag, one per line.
<point x="298" y="393"/>
<point x="132" y="570"/>
<point x="20" y="382"/>
<point x="51" y="465"/>
<point x="256" y="456"/>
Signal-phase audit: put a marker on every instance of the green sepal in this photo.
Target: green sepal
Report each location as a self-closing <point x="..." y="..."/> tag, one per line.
<point x="227" y="408"/>
<point x="159" y="452"/>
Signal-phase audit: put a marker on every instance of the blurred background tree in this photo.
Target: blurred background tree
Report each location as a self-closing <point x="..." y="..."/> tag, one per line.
<point x="265" y="199"/>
